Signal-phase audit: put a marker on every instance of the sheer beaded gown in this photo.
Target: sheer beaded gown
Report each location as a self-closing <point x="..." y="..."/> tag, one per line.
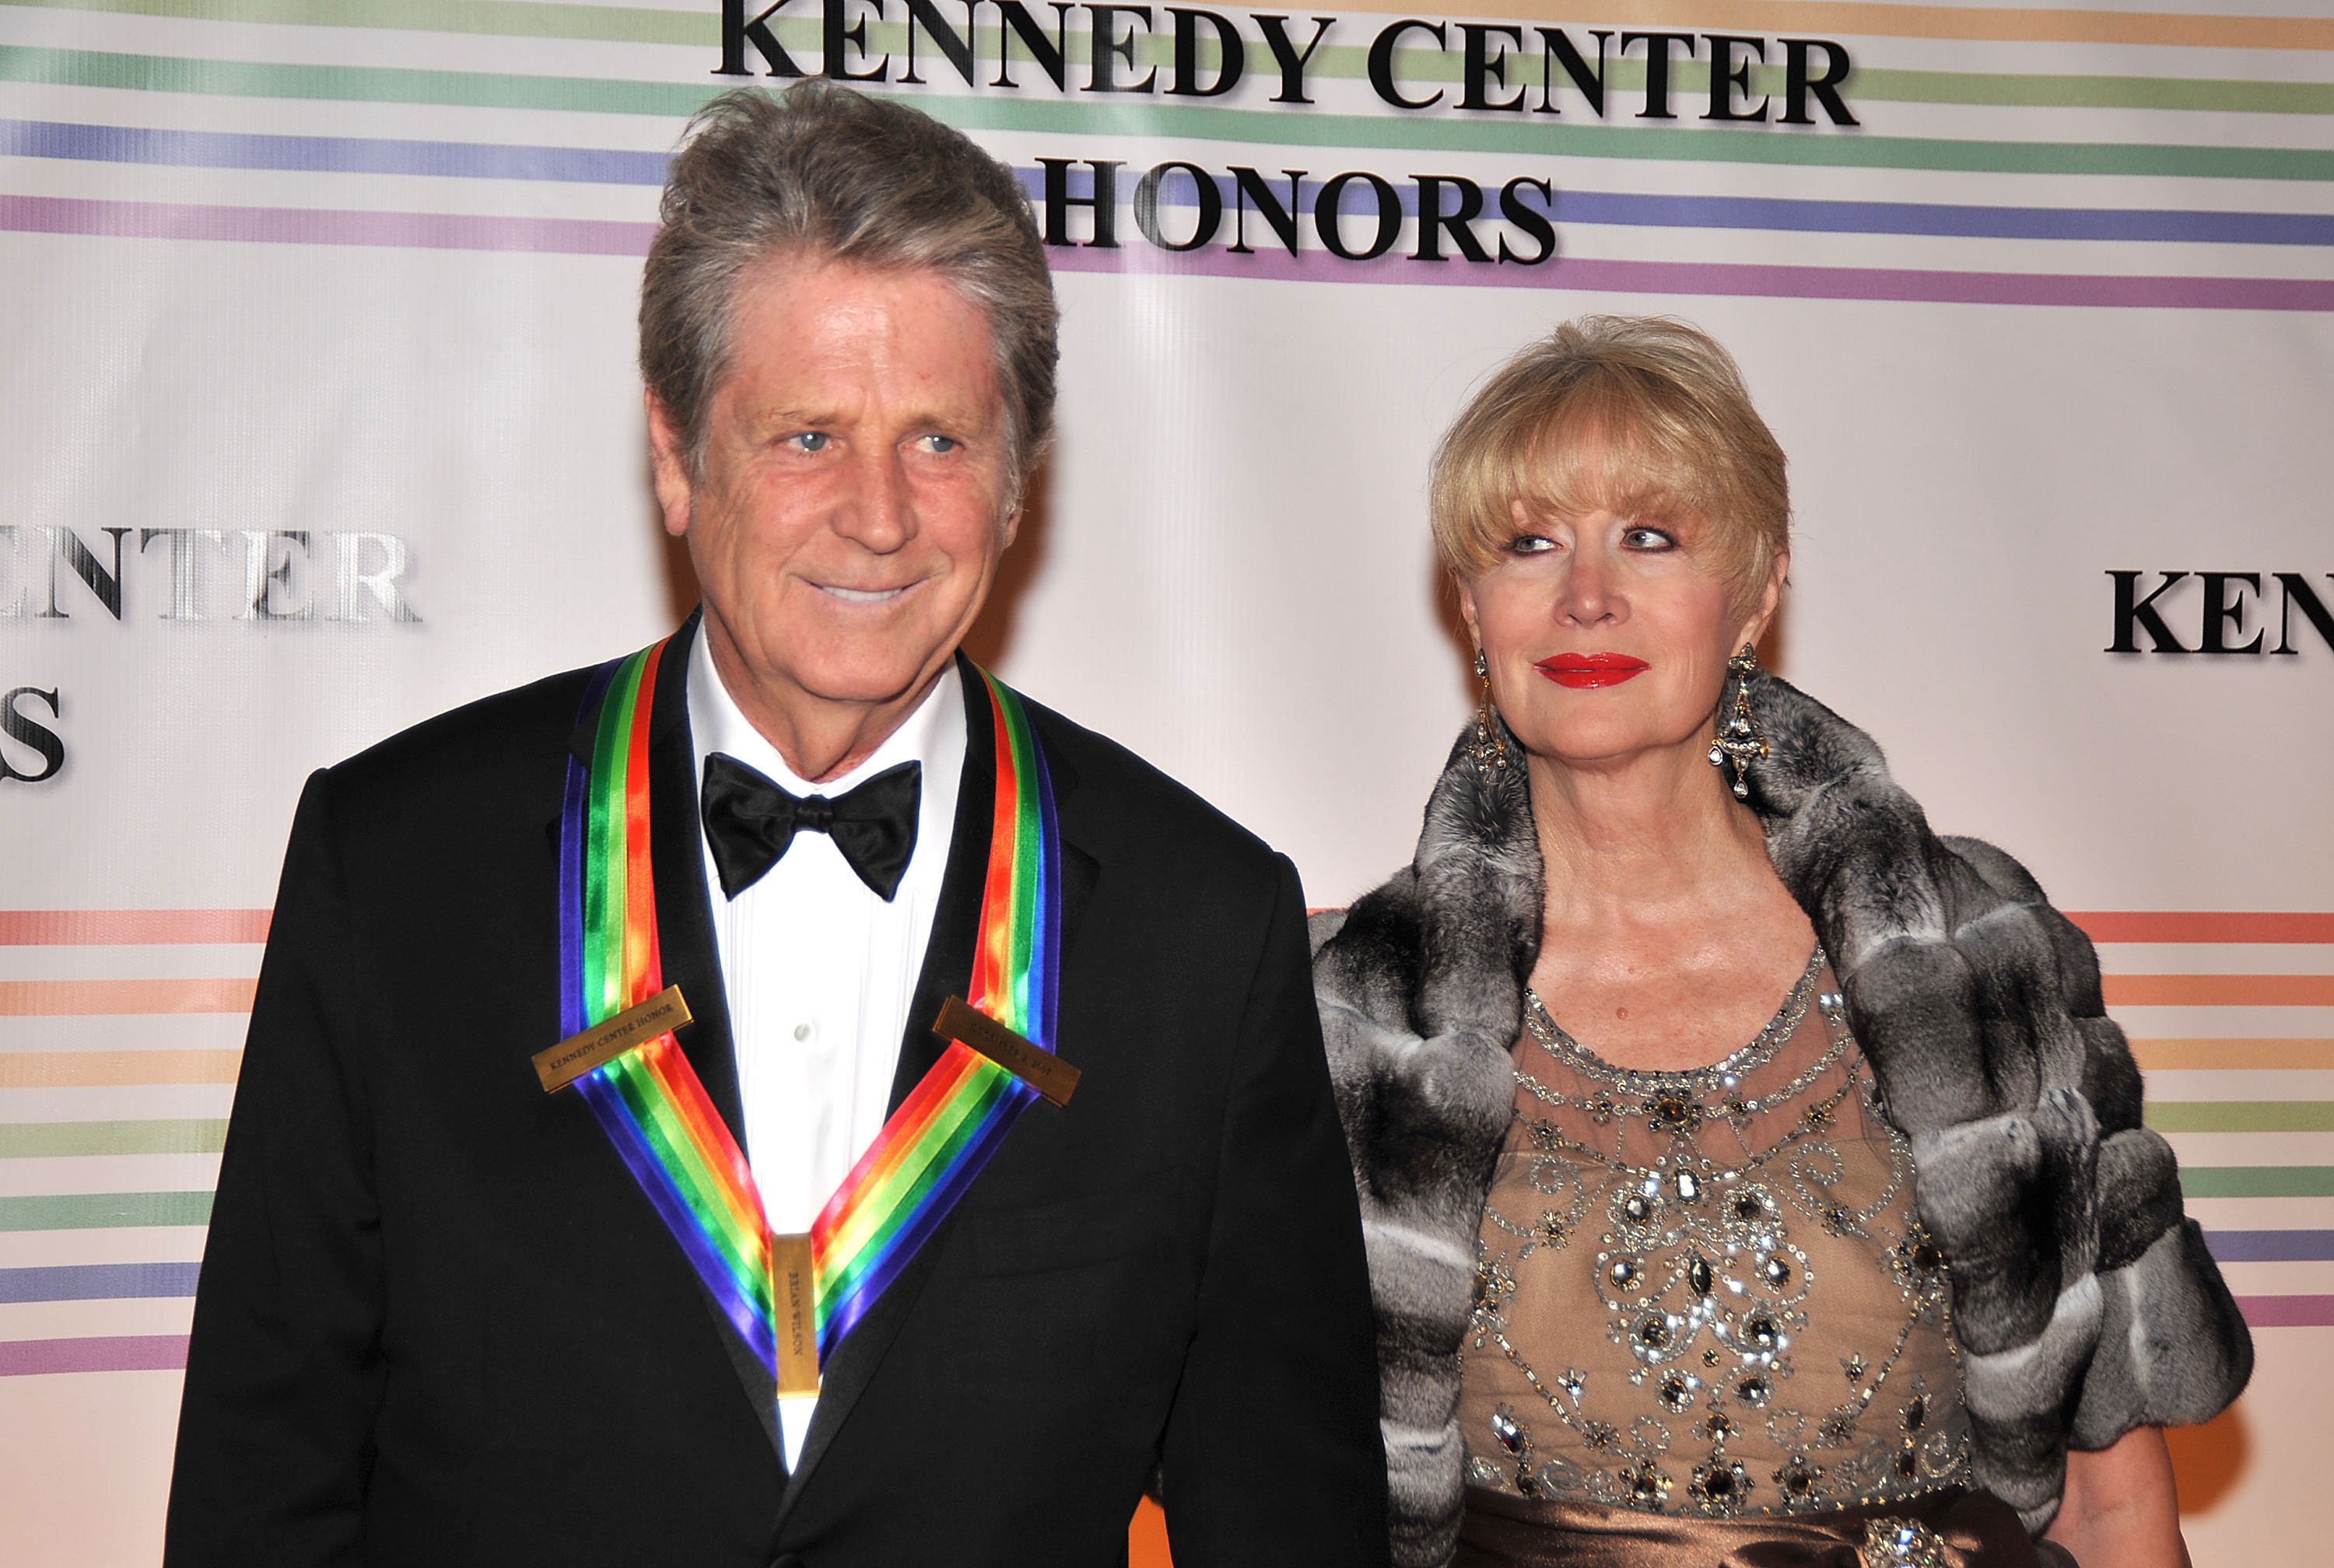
<point x="1709" y="1327"/>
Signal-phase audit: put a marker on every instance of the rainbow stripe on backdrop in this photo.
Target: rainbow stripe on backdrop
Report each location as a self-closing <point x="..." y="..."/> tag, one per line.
<point x="120" y="1034"/>
<point x="2044" y="156"/>
<point x="649" y="1100"/>
<point x="945" y="1131"/>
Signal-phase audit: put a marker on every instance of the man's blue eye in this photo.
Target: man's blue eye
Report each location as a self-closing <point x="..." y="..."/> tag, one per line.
<point x="810" y="440"/>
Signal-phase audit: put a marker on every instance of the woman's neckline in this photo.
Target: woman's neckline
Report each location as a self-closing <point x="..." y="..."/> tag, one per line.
<point x="1784" y="1023"/>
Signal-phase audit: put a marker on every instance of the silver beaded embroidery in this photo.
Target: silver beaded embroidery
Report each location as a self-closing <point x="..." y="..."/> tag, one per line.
<point x="1695" y="1265"/>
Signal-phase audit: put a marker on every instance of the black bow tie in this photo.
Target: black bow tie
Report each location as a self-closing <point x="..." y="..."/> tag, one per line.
<point x="749" y="822"/>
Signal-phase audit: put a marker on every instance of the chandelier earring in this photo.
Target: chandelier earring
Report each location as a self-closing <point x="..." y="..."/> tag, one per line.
<point x="1739" y="742"/>
<point x="1489" y="747"/>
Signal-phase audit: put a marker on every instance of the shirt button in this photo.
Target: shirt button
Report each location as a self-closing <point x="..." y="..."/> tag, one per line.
<point x="802" y="1032"/>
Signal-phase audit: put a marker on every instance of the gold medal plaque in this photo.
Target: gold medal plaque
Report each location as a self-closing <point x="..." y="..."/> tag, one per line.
<point x="1043" y="1071"/>
<point x="577" y="1054"/>
<point x="794" y="1294"/>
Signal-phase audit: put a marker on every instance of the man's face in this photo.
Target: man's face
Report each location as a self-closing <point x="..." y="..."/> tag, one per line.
<point x="850" y="513"/>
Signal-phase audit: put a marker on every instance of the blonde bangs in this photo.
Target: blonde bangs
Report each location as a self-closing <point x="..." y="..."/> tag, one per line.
<point x="1640" y="417"/>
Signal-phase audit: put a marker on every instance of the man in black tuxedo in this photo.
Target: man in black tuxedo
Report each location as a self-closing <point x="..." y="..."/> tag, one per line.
<point x="438" y="1322"/>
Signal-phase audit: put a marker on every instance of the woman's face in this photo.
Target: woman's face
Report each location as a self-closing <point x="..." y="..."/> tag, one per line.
<point x="1606" y="636"/>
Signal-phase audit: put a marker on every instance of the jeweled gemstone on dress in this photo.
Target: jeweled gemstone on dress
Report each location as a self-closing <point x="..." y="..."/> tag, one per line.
<point x="1673" y="1111"/>
<point x="1902" y="1543"/>
<point x="1721" y="1485"/>
<point x="1646" y="1486"/>
<point x="1798" y="1478"/>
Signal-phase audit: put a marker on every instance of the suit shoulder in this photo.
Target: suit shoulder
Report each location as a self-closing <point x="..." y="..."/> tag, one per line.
<point x="1118" y="792"/>
<point x="465" y="752"/>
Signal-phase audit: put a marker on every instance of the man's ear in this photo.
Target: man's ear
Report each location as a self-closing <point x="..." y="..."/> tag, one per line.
<point x="670" y="466"/>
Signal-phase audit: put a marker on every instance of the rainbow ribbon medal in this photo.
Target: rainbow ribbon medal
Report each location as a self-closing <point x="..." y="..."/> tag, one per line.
<point x="944" y="1132"/>
<point x="647" y="1097"/>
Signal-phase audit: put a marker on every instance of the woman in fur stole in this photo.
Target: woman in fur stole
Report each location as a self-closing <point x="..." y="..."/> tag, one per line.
<point x="1751" y="1177"/>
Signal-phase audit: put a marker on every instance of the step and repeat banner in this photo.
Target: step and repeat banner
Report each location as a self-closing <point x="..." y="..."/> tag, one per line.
<point x="318" y="415"/>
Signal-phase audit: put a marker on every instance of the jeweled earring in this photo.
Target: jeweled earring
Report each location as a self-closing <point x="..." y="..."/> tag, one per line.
<point x="1489" y="747"/>
<point x="1739" y="741"/>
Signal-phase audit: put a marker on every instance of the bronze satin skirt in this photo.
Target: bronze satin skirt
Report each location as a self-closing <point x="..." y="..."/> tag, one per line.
<point x="1954" y="1530"/>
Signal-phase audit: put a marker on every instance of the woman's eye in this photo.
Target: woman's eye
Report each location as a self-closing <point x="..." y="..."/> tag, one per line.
<point x="1530" y="544"/>
<point x="1648" y="539"/>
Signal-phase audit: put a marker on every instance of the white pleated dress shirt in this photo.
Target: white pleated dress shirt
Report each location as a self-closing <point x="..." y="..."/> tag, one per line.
<point x="819" y="971"/>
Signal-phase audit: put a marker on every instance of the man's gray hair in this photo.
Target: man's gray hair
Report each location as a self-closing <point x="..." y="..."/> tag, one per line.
<point x="825" y="173"/>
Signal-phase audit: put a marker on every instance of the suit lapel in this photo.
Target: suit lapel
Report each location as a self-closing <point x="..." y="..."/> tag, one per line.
<point x="956" y="924"/>
<point x="692" y="958"/>
<point x="947" y="972"/>
<point x="688" y="953"/>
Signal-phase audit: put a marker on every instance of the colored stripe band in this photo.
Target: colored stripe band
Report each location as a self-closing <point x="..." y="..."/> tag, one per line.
<point x="2220" y="990"/>
<point x="2287" y="1311"/>
<point x="107" y="1069"/>
<point x="121" y="998"/>
<point x="1537" y="137"/>
<point x="648" y="1100"/>
<point x="944" y="1133"/>
<point x="99" y="1282"/>
<point x="106" y="1354"/>
<point x="176" y="1281"/>
<point x="103" y="1210"/>
<point x="64" y="1140"/>
<point x="2205" y="926"/>
<point x="1850" y="18"/>
<point x="2257" y="1181"/>
<point x="300" y="226"/>
<point x="131" y="928"/>
<point x="473" y="160"/>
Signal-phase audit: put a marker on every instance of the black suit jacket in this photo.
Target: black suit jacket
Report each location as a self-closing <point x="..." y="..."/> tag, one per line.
<point x="438" y="1324"/>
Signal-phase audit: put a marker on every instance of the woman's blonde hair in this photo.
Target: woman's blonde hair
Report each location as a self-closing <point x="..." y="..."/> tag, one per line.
<point x="1642" y="416"/>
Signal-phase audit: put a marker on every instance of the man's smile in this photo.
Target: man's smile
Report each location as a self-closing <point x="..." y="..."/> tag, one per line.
<point x="863" y="595"/>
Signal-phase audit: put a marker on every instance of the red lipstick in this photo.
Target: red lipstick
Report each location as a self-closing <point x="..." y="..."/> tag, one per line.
<point x="1590" y="671"/>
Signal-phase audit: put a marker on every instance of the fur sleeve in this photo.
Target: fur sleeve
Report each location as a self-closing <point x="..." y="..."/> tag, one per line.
<point x="1420" y="987"/>
<point x="2084" y="1300"/>
<point x="2171" y="1347"/>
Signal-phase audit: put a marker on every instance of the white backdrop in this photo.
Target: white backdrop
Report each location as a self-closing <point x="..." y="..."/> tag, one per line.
<point x="2061" y="304"/>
